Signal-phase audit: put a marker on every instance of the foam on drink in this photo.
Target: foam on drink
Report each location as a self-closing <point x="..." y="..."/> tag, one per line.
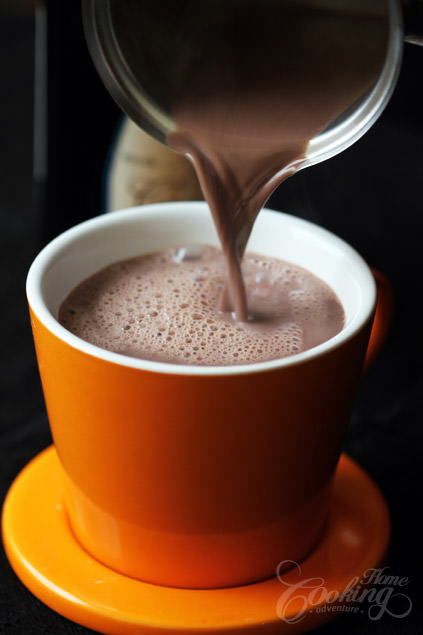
<point x="165" y="307"/>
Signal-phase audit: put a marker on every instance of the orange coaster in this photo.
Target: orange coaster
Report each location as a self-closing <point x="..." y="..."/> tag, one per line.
<point x="51" y="563"/>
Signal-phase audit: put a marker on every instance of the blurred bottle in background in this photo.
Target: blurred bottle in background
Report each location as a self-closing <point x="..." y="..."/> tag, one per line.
<point x="141" y="170"/>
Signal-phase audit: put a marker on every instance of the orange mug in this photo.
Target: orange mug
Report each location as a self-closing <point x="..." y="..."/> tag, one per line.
<point x="197" y="476"/>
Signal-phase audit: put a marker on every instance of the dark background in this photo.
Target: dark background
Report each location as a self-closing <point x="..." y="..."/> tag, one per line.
<point x="371" y="195"/>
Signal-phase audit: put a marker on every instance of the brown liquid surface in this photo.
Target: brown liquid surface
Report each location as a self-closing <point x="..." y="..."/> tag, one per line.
<point x="256" y="86"/>
<point x="164" y="307"/>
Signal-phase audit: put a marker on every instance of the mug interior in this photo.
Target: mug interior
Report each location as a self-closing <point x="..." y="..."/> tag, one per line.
<point x="81" y="251"/>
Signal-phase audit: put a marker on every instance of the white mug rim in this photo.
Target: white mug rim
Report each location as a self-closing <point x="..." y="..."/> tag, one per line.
<point x="43" y="260"/>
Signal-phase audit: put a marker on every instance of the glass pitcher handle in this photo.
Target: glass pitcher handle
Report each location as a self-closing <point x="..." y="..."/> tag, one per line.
<point x="413" y="21"/>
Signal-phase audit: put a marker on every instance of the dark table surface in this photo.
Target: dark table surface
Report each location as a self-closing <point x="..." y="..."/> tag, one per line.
<point x="371" y="196"/>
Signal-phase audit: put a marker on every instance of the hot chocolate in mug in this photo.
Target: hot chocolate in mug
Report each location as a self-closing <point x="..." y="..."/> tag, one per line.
<point x="197" y="476"/>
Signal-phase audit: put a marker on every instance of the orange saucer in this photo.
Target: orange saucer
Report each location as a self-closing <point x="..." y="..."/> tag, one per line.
<point x="51" y="563"/>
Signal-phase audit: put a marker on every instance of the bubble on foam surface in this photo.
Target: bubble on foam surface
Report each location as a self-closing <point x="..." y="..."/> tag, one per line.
<point x="189" y="253"/>
<point x="164" y="307"/>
